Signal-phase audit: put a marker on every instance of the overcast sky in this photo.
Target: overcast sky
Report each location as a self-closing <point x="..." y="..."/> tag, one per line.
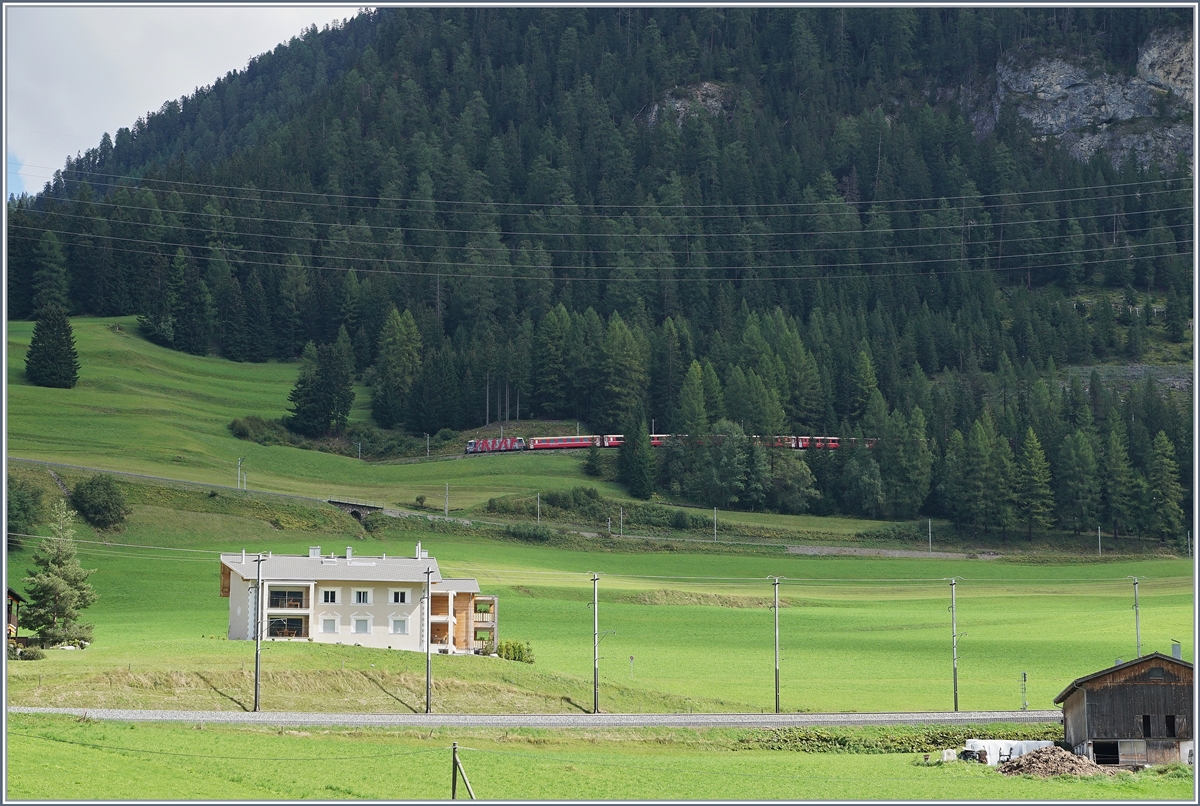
<point x="73" y="73"/>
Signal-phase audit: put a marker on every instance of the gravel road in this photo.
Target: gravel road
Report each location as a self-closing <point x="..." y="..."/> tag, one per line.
<point x="551" y="720"/>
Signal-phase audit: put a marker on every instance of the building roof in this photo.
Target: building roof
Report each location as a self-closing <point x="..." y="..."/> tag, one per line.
<point x="357" y="569"/>
<point x="460" y="585"/>
<point x="12" y="594"/>
<point x="1078" y="682"/>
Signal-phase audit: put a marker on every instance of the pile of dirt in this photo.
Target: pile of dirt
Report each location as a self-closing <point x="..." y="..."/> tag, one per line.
<point x="1053" y="760"/>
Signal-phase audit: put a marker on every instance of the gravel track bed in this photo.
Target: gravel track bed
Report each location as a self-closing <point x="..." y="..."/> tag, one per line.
<point x="551" y="720"/>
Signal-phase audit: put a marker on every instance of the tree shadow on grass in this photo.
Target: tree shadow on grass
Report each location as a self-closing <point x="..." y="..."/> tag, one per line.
<point x="229" y="697"/>
<point x="385" y="691"/>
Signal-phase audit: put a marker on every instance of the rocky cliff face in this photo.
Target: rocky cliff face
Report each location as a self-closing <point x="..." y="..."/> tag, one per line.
<point x="1146" y="117"/>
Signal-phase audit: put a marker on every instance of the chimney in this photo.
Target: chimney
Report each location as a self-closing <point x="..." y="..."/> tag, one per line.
<point x="349" y="552"/>
<point x="1176" y="650"/>
<point x="418" y="555"/>
<point x="243" y="556"/>
<point x="314" y="552"/>
<point x="424" y="554"/>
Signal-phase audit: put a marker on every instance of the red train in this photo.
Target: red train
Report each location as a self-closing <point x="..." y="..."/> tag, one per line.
<point x="497" y="445"/>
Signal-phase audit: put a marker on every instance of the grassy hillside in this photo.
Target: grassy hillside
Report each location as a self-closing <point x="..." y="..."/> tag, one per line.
<point x="857" y="634"/>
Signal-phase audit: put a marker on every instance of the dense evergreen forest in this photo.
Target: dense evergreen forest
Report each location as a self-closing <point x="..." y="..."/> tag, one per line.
<point x="753" y="221"/>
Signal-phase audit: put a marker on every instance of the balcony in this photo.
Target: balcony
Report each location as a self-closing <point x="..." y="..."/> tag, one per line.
<point x="287" y="600"/>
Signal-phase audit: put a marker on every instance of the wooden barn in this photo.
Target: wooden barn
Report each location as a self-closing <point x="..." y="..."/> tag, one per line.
<point x="1134" y="713"/>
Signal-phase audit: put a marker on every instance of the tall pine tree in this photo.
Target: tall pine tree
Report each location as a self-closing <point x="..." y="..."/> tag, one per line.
<point x="52" y="360"/>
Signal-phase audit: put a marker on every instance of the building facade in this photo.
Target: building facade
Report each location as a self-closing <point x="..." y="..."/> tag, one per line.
<point x="1134" y="713"/>
<point x="362" y="601"/>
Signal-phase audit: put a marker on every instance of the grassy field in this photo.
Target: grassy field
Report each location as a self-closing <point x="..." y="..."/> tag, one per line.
<point x="856" y="634"/>
<point x="64" y="758"/>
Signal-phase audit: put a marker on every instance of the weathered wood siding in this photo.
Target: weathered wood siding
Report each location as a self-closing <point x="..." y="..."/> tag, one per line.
<point x="464" y="606"/>
<point x="1113" y="706"/>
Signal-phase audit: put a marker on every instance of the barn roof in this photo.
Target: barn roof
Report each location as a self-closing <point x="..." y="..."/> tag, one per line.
<point x="1078" y="682"/>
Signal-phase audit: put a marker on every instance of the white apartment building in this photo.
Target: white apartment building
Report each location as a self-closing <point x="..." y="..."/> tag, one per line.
<point x="362" y="601"/>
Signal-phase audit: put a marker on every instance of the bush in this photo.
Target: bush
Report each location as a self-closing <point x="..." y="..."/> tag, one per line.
<point x="421" y="502"/>
<point x="24" y="653"/>
<point x="530" y="532"/>
<point x="101" y="501"/>
<point x="376" y="521"/>
<point x="515" y="650"/>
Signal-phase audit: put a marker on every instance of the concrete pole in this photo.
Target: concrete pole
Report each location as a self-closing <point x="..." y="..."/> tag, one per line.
<point x="258" y="620"/>
<point x="714" y="524"/>
<point x="595" y="643"/>
<point x="930" y="522"/>
<point x="954" y="640"/>
<point x="446" y="511"/>
<point x="1137" y="618"/>
<point x="776" y="584"/>
<point x="539" y="507"/>
<point x="428" y="645"/>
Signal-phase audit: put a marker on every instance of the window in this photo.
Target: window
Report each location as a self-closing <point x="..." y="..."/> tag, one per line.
<point x="399" y="597"/>
<point x="362" y="626"/>
<point x="1156" y="673"/>
<point x="291" y="599"/>
<point x="1170" y="726"/>
<point x="362" y="597"/>
<point x="329" y="625"/>
<point x="329" y="597"/>
<point x="1146" y="725"/>
<point x="400" y="626"/>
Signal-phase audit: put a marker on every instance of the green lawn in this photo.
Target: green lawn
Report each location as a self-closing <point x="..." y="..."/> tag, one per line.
<point x="63" y="758"/>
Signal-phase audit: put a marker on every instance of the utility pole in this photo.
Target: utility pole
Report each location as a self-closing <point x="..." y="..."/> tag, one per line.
<point x="487" y="400"/>
<point x="595" y="643"/>
<point x="258" y="620"/>
<point x="360" y="451"/>
<point x="426" y="446"/>
<point x="775" y="583"/>
<point x="428" y="645"/>
<point x="1024" y="697"/>
<point x="622" y="526"/>
<point x="1137" y="620"/>
<point x="446" y="511"/>
<point x="714" y="524"/>
<point x="539" y="505"/>
<point x="930" y="522"/>
<point x="1099" y="548"/>
<point x="239" y="480"/>
<point x="954" y="639"/>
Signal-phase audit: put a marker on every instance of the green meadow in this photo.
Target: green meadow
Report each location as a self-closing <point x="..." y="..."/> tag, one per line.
<point x="856" y="634"/>
<point x="685" y="626"/>
<point x="65" y="758"/>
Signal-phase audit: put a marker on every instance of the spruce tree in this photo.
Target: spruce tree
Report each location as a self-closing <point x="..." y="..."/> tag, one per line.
<point x="1117" y="482"/>
<point x="52" y="360"/>
<point x="1079" y="486"/>
<point x="50" y="274"/>
<point x="57" y="586"/>
<point x="693" y="416"/>
<point x="1166" y="516"/>
<point x="636" y="460"/>
<point x="396" y="369"/>
<point x="1034" y="499"/>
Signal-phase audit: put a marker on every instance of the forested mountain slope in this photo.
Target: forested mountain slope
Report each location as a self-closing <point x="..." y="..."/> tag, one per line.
<point x="577" y="204"/>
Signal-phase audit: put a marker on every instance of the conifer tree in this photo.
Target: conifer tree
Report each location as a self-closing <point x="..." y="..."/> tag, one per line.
<point x="693" y="416"/>
<point x="1117" y="482"/>
<point x="1166" y="516"/>
<point x="862" y="384"/>
<point x="550" y="370"/>
<point x="624" y="377"/>
<point x="1176" y="317"/>
<point x="636" y="461"/>
<point x="1034" y="499"/>
<point x="396" y="369"/>
<point x="57" y="586"/>
<point x="714" y="395"/>
<point x="259" y="338"/>
<point x="1079" y="487"/>
<point x="952" y="481"/>
<point x="52" y="360"/>
<point x="233" y="327"/>
<point x="50" y="274"/>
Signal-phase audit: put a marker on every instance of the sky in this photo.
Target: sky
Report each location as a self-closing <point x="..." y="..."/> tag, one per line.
<point x="73" y="73"/>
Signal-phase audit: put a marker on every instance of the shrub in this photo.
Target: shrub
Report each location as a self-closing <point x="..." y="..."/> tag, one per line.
<point x="515" y="650"/>
<point x="101" y="501"/>
<point x="680" y="520"/>
<point x="375" y="521"/>
<point x="530" y="532"/>
<point x="30" y="653"/>
<point x="420" y="502"/>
